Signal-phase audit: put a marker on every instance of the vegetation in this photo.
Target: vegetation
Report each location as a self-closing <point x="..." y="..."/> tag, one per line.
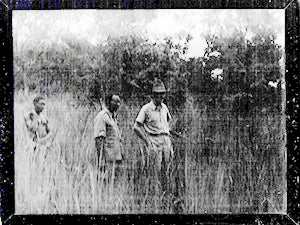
<point x="222" y="101"/>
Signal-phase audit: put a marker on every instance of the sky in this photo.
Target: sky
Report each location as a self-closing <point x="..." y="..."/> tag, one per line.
<point x="37" y="28"/>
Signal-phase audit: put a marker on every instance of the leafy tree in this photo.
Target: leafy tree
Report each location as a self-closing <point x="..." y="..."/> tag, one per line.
<point x="130" y="64"/>
<point x="235" y="72"/>
<point x="248" y="68"/>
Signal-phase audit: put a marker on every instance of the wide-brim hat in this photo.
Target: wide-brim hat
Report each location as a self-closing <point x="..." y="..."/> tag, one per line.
<point x="158" y="87"/>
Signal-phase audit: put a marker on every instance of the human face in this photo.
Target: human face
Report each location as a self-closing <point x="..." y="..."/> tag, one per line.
<point x="158" y="97"/>
<point x="39" y="106"/>
<point x="115" y="103"/>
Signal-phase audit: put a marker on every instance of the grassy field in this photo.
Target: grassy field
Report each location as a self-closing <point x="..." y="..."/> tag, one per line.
<point x="238" y="165"/>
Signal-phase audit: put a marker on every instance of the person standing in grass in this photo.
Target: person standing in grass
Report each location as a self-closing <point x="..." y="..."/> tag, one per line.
<point x="107" y="135"/>
<point x="41" y="143"/>
<point x="152" y="125"/>
<point x="37" y="124"/>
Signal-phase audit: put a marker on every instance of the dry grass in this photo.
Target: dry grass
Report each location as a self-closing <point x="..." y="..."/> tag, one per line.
<point x="242" y="165"/>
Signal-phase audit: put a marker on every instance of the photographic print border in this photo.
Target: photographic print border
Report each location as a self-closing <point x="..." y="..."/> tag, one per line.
<point x="292" y="30"/>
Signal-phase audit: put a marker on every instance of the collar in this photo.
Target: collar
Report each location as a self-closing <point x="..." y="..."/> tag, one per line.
<point x="155" y="107"/>
<point x="112" y="115"/>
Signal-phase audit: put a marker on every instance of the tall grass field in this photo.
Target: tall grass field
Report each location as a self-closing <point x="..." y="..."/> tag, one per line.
<point x="232" y="164"/>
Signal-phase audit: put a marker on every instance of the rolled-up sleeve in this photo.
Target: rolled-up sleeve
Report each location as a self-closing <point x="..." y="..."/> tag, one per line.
<point x="141" y="116"/>
<point x="100" y="126"/>
<point x="169" y="116"/>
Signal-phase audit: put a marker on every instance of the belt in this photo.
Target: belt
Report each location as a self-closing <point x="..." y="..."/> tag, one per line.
<point x="157" y="135"/>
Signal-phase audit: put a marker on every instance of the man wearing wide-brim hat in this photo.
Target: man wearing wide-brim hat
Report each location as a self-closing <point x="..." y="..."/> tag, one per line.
<point x="152" y="125"/>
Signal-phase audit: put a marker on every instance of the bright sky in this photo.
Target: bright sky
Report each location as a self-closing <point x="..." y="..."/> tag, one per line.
<point x="36" y="28"/>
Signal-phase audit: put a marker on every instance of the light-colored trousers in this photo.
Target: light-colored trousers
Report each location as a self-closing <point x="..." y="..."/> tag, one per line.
<point x="157" y="158"/>
<point x="161" y="147"/>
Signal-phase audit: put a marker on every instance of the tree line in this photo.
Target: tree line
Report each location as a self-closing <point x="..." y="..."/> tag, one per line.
<point x="234" y="73"/>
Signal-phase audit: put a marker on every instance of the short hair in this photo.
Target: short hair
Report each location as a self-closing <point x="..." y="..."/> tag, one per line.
<point x="37" y="99"/>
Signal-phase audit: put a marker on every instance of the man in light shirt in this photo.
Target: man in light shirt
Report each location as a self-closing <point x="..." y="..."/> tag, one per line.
<point x="152" y="125"/>
<point x="107" y="134"/>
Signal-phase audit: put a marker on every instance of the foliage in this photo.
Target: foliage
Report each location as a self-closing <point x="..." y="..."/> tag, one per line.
<point x="131" y="64"/>
<point x="241" y="165"/>
<point x="234" y="74"/>
<point x="248" y="67"/>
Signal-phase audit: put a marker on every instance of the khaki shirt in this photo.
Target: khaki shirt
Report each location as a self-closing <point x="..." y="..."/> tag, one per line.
<point x="37" y="125"/>
<point x="106" y="125"/>
<point x="155" y="119"/>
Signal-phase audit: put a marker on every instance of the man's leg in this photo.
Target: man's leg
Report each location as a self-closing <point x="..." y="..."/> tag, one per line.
<point x="157" y="179"/>
<point x="166" y="176"/>
<point x="119" y="172"/>
<point x="101" y="165"/>
<point x="167" y="163"/>
<point x="153" y="201"/>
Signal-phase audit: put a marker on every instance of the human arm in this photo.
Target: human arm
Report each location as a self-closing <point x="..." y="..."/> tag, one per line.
<point x="100" y="133"/>
<point x="140" y="132"/>
<point x="99" y="144"/>
<point x="46" y="134"/>
<point x="45" y="139"/>
<point x="170" y="118"/>
<point x="31" y="125"/>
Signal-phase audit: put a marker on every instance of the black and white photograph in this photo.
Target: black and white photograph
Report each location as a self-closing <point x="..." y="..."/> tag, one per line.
<point x="164" y="111"/>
